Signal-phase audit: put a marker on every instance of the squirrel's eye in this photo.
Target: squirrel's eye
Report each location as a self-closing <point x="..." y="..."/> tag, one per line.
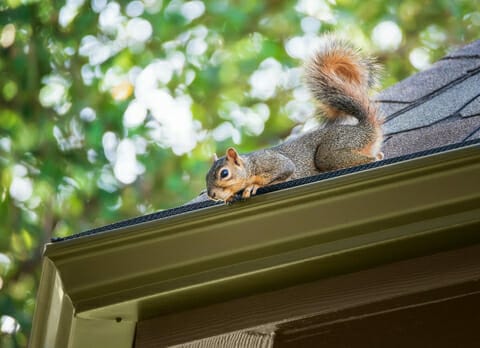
<point x="224" y="173"/>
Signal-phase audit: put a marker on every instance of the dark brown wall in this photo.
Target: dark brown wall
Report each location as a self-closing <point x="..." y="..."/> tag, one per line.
<point x="430" y="301"/>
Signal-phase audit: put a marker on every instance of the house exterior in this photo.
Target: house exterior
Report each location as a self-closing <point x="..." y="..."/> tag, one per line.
<point x="385" y="254"/>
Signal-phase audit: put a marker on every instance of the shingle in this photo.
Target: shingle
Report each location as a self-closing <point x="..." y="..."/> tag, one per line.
<point x="440" y="134"/>
<point x="437" y="108"/>
<point x="474" y="135"/>
<point x="419" y="85"/>
<point x="388" y="108"/>
<point x="472" y="109"/>
<point x="470" y="50"/>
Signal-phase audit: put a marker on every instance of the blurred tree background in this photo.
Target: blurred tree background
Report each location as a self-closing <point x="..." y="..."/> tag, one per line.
<point x="113" y="109"/>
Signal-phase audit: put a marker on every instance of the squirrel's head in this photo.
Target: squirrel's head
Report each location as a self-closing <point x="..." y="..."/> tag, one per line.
<point x="226" y="177"/>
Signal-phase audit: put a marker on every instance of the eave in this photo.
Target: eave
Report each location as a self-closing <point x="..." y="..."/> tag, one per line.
<point x="104" y="283"/>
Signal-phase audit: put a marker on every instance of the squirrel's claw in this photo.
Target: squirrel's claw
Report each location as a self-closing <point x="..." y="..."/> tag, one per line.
<point x="234" y="198"/>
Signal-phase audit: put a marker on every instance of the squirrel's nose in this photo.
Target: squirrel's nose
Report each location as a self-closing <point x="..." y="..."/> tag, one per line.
<point x="211" y="194"/>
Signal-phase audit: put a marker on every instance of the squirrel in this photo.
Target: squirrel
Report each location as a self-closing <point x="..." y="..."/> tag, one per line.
<point x="339" y="78"/>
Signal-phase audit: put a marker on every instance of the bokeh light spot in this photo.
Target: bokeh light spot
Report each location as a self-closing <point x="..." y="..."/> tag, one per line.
<point x="387" y="35"/>
<point x="7" y="37"/>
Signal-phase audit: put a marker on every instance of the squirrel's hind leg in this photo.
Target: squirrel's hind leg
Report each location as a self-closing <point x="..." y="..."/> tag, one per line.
<point x="330" y="160"/>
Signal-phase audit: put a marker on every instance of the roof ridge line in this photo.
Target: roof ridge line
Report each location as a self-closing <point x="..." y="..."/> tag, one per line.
<point x="431" y="95"/>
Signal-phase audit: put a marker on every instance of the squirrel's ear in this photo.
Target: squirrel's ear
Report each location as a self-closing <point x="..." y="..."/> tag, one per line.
<point x="214" y="158"/>
<point x="232" y="156"/>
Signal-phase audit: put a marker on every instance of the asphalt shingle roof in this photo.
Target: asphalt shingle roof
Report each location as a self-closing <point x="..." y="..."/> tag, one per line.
<point x="436" y="107"/>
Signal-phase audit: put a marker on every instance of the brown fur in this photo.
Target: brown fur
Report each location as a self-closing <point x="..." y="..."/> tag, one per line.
<point x="339" y="78"/>
<point x="337" y="64"/>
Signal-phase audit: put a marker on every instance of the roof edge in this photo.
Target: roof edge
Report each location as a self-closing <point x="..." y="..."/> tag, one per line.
<point x="291" y="236"/>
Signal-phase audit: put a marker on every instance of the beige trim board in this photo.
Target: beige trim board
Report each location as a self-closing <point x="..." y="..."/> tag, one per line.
<point x="271" y="241"/>
<point x="57" y="326"/>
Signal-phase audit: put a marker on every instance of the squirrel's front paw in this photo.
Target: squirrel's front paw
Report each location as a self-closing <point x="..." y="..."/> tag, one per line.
<point x="247" y="192"/>
<point x="250" y="191"/>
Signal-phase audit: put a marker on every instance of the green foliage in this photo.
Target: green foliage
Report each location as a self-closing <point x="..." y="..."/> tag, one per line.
<point x="109" y="110"/>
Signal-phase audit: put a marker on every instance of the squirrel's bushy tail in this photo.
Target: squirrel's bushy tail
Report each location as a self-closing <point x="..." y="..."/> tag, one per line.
<point x="339" y="78"/>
